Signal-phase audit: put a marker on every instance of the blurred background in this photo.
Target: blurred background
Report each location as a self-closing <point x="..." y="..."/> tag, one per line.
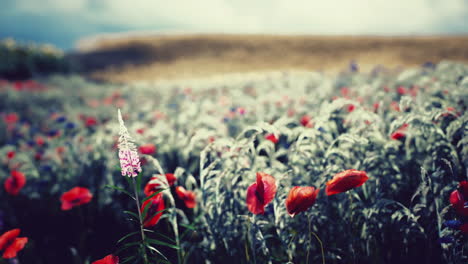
<point x="120" y="40"/>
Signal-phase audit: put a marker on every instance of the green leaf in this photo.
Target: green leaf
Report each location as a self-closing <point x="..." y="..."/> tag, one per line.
<point x="157" y="251"/>
<point x="120" y="189"/>
<point x="126" y="246"/>
<point x="161" y="243"/>
<point x="127" y="236"/>
<point x="132" y="214"/>
<point x="191" y="226"/>
<point x="138" y="181"/>
<point x="128" y="259"/>
<point x="152" y="195"/>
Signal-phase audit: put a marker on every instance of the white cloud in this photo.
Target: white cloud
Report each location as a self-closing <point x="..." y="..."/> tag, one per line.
<point x="266" y="16"/>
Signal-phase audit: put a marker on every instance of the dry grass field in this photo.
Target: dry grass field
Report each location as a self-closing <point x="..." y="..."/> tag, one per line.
<point x="176" y="56"/>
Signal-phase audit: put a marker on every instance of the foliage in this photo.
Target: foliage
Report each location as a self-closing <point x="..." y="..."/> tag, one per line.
<point x="211" y="135"/>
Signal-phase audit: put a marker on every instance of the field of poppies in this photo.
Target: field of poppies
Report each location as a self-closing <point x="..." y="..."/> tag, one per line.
<point x="263" y="168"/>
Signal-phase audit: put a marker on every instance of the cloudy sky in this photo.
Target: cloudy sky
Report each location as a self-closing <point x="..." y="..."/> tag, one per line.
<point x="62" y="22"/>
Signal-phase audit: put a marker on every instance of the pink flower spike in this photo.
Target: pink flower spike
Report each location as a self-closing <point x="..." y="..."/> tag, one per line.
<point x="128" y="155"/>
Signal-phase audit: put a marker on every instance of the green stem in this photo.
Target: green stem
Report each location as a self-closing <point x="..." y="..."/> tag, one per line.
<point x="254" y="253"/>
<point x="310" y="241"/>
<point x="143" y="240"/>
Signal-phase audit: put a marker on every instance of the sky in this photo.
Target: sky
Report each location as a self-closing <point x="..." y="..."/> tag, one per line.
<point x="63" y="22"/>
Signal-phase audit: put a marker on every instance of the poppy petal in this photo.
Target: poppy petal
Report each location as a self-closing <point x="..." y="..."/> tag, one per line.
<point x="346" y="180"/>
<point x="109" y="259"/>
<point x="13" y="249"/>
<point x="8" y="237"/>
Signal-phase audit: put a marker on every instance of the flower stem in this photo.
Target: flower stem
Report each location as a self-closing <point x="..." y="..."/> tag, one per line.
<point x="310" y="241"/>
<point x="143" y="240"/>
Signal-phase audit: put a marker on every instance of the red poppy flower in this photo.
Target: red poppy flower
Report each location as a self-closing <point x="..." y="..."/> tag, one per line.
<point x="305" y="120"/>
<point x="272" y="137"/>
<point x="156" y="204"/>
<point x="148" y="149"/>
<point x="140" y="131"/>
<point x="397" y="135"/>
<point x="153" y="185"/>
<point x="11" y="118"/>
<point x="463" y="185"/>
<point x="187" y="196"/>
<point x="11" y="244"/>
<point x="457" y="199"/>
<point x="351" y="108"/>
<point x="300" y="199"/>
<point x="10" y="154"/>
<point x="400" y="132"/>
<point x="109" y="259"/>
<point x="40" y="141"/>
<point x="171" y="178"/>
<point x="376" y="106"/>
<point x="90" y="121"/>
<point x="75" y="197"/>
<point x="401" y="90"/>
<point x="346" y="180"/>
<point x="261" y="193"/>
<point x="15" y="182"/>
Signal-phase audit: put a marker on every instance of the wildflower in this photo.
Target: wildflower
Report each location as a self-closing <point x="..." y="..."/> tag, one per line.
<point x="70" y="125"/>
<point x="455" y="224"/>
<point x="148" y="149"/>
<point x="457" y="200"/>
<point x="305" y="120"/>
<point x="346" y="180"/>
<point x="11" y="244"/>
<point x="272" y="137"/>
<point x="90" y="121"/>
<point x="40" y="141"/>
<point x="10" y="155"/>
<point x="171" y="178"/>
<point x="109" y="259"/>
<point x="399" y="133"/>
<point x="155" y="184"/>
<point x="129" y="160"/>
<point x="155" y="205"/>
<point x="261" y="193"/>
<point x="75" y="197"/>
<point x="351" y="108"/>
<point x="15" y="182"/>
<point x="300" y="199"/>
<point x="187" y="196"/>
<point x="401" y="90"/>
<point x="60" y="119"/>
<point x="11" y="118"/>
<point x="376" y="106"/>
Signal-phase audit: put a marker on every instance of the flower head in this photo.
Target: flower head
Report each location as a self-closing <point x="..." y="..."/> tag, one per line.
<point x="11" y="244"/>
<point x="300" y="198"/>
<point x="15" y="182"/>
<point x="261" y="193"/>
<point x="346" y="180"/>
<point x="109" y="259"/>
<point x="155" y="205"/>
<point x="187" y="196"/>
<point x="75" y="197"/>
<point x="128" y="155"/>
